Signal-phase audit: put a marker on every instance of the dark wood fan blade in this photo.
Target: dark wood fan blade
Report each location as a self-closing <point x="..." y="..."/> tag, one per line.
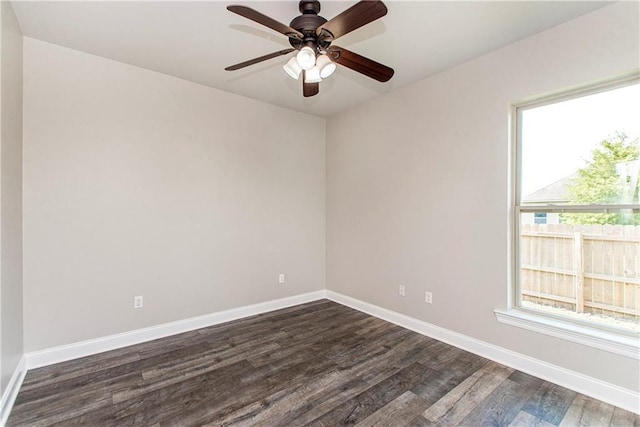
<point x="258" y="17"/>
<point x="359" y="63"/>
<point x="259" y="59"/>
<point x="309" y="89"/>
<point x="356" y="16"/>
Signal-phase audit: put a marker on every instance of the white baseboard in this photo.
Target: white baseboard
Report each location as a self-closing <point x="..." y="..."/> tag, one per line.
<point x="53" y="355"/>
<point x="593" y="387"/>
<point x="11" y="392"/>
<point x="584" y="384"/>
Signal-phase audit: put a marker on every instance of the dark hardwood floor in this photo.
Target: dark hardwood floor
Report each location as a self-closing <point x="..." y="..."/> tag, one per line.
<point x="317" y="364"/>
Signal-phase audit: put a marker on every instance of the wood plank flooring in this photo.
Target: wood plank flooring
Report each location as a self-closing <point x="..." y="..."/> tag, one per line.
<point x="316" y="364"/>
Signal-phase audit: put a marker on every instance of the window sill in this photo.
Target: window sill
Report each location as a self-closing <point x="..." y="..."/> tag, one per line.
<point x="615" y="343"/>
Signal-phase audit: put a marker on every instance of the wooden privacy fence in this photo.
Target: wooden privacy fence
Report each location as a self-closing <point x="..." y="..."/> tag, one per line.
<point x="584" y="268"/>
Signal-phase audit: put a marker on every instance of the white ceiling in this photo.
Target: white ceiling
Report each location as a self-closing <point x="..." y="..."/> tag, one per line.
<point x="196" y="40"/>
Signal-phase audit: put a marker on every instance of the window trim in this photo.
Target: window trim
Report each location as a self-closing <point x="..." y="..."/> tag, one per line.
<point x="612" y="342"/>
<point x="592" y="335"/>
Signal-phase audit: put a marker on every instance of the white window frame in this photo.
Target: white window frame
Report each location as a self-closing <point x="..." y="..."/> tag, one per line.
<point x="574" y="330"/>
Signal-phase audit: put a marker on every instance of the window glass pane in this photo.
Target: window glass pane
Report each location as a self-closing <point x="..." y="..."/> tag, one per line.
<point x="579" y="261"/>
<point x="583" y="151"/>
<point x="588" y="272"/>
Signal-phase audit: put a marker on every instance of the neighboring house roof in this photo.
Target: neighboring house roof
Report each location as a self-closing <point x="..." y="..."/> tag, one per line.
<point x="552" y="193"/>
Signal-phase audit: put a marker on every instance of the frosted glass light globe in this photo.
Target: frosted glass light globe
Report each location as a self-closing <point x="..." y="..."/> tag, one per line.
<point x="306" y="58"/>
<point x="292" y="68"/>
<point x="312" y="75"/>
<point x="325" y="65"/>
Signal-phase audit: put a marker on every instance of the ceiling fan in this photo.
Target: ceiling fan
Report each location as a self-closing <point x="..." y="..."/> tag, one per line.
<point x="312" y="36"/>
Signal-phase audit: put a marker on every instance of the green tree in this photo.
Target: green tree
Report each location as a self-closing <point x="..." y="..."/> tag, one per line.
<point x="599" y="182"/>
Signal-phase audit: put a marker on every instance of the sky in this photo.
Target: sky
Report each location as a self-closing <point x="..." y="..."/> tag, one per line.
<point x="558" y="139"/>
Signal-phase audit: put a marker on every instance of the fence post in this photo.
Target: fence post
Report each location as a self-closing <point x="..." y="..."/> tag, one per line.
<point x="578" y="278"/>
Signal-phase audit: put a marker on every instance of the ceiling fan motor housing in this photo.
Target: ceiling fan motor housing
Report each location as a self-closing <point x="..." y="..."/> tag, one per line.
<point x="307" y="23"/>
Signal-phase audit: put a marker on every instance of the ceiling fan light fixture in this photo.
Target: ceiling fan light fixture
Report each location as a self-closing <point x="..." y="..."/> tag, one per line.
<point x="325" y="65"/>
<point x="311" y="37"/>
<point x="306" y="58"/>
<point x="292" y="68"/>
<point x="312" y="75"/>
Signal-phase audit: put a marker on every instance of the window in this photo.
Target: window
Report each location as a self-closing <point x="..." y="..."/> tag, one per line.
<point x="540" y="217"/>
<point x="576" y="246"/>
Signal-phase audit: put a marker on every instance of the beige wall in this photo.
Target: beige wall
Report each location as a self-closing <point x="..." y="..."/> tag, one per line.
<point x="417" y="186"/>
<point x="11" y="343"/>
<point x="137" y="183"/>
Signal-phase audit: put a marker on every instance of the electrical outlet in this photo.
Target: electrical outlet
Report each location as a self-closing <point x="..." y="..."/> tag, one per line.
<point x="428" y="297"/>
<point x="138" y="302"/>
<point x="401" y="290"/>
<point x="281" y="278"/>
